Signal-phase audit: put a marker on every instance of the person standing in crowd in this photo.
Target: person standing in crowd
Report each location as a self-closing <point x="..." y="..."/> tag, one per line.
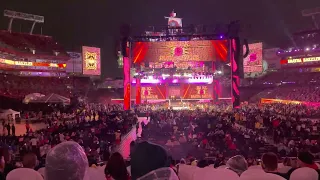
<point x="269" y="163"/>
<point x="3" y="127"/>
<point x="13" y="128"/>
<point x="116" y="168"/>
<point x="8" y="129"/>
<point x="2" y="167"/>
<point x="27" y="126"/>
<point x="9" y="164"/>
<point x="29" y="162"/>
<point x="34" y="144"/>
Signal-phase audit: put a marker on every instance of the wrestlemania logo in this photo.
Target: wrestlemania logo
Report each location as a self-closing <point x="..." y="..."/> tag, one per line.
<point x="91" y="60"/>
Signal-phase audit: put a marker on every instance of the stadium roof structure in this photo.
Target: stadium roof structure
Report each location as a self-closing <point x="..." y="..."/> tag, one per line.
<point x="183" y="33"/>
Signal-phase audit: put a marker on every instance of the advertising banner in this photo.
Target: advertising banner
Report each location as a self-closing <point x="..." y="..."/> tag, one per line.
<point x="7" y="63"/>
<point x="74" y="65"/>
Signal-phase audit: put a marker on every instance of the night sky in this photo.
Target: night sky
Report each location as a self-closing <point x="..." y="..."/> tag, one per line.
<point x="74" y="23"/>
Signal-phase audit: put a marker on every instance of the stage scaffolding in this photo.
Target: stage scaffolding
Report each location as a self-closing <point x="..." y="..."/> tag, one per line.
<point x="229" y="32"/>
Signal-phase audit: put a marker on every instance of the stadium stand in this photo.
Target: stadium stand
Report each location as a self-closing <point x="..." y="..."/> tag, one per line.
<point x="12" y="42"/>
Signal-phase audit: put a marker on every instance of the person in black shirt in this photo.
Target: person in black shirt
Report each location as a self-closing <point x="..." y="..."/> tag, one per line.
<point x="13" y="129"/>
<point x="305" y="159"/>
<point x="269" y="163"/>
<point x="2" y="167"/>
<point x="8" y="129"/>
<point x="3" y="126"/>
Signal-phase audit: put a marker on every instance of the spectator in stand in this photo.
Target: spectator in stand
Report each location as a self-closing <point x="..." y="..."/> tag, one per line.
<point x="305" y="160"/>
<point x="287" y="165"/>
<point x="238" y="164"/>
<point x="146" y="158"/>
<point x="2" y="166"/>
<point x="304" y="174"/>
<point x="269" y="163"/>
<point x="30" y="161"/>
<point x="27" y="172"/>
<point x="116" y="168"/>
<point x="66" y="161"/>
<point x="23" y="174"/>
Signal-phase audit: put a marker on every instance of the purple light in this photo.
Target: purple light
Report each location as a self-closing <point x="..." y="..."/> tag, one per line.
<point x="147" y="81"/>
<point x="209" y="81"/>
<point x="175" y="81"/>
<point x="221" y="37"/>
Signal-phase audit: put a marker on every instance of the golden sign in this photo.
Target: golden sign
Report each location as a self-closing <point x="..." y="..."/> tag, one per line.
<point x="91" y="60"/>
<point x="201" y="92"/>
<point x="147" y="93"/>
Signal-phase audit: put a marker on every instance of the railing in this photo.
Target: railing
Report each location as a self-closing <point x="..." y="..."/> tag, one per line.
<point x="124" y="147"/>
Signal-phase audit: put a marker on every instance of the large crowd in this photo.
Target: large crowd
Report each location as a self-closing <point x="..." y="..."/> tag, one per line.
<point x="18" y="86"/>
<point x="286" y="85"/>
<point x="98" y="141"/>
<point x="307" y="93"/>
<point x="217" y="141"/>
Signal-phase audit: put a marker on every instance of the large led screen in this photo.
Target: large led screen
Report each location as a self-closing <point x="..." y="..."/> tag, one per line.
<point x="177" y="51"/>
<point x="149" y="92"/>
<point x="253" y="62"/>
<point x="196" y="91"/>
<point x="174" y="92"/>
<point x="91" y="61"/>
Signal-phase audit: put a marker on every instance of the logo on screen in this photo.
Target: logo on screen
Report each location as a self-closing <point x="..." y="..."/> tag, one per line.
<point x="253" y="57"/>
<point x="178" y="51"/>
<point x="74" y="55"/>
<point x="147" y="92"/>
<point x="91" y="60"/>
<point x="201" y="90"/>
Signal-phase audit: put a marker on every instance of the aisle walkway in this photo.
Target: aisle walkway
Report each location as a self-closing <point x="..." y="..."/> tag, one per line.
<point x="124" y="147"/>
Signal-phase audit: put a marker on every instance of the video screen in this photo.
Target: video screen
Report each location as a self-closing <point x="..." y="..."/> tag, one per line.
<point x="149" y="92"/>
<point x="91" y="61"/>
<point x="253" y="62"/>
<point x="196" y="91"/>
<point x="179" y="51"/>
